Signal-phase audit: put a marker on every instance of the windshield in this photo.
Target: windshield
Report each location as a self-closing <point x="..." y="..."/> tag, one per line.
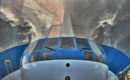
<point x="35" y="46"/>
<point x="51" y="43"/>
<point x="31" y="47"/>
<point x="83" y="44"/>
<point x="97" y="51"/>
<point x="67" y="43"/>
<point x="39" y="45"/>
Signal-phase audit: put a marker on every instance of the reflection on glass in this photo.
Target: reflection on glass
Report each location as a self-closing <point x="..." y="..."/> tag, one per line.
<point x="35" y="57"/>
<point x="95" y="47"/>
<point x="89" y="56"/>
<point x="39" y="45"/>
<point x="31" y="47"/>
<point x="82" y="44"/>
<point x="51" y="43"/>
<point x="45" y="56"/>
<point x="97" y="51"/>
<point x="67" y="43"/>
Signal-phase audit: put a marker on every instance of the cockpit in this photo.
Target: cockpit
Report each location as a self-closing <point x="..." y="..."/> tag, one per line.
<point x="63" y="48"/>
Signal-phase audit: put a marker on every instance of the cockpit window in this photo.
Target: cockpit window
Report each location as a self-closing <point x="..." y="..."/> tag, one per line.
<point x="83" y="44"/>
<point x="31" y="47"/>
<point x="35" y="57"/>
<point x="95" y="47"/>
<point x="39" y="45"/>
<point x="89" y="55"/>
<point x="67" y="43"/>
<point x="97" y="51"/>
<point x="40" y="56"/>
<point x="51" y="43"/>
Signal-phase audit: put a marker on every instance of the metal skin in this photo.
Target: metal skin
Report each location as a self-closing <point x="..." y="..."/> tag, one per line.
<point x="113" y="62"/>
<point x="58" y="70"/>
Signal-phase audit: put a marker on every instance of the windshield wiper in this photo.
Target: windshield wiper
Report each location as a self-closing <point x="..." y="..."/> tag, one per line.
<point x="50" y="48"/>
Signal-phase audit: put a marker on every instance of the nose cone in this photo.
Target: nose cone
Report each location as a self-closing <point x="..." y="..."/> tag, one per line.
<point x="65" y="70"/>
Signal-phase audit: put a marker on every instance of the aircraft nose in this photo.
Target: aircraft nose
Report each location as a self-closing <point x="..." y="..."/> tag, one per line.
<point x="65" y="70"/>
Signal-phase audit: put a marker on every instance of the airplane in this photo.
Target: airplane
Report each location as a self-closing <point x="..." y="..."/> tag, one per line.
<point x="63" y="58"/>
